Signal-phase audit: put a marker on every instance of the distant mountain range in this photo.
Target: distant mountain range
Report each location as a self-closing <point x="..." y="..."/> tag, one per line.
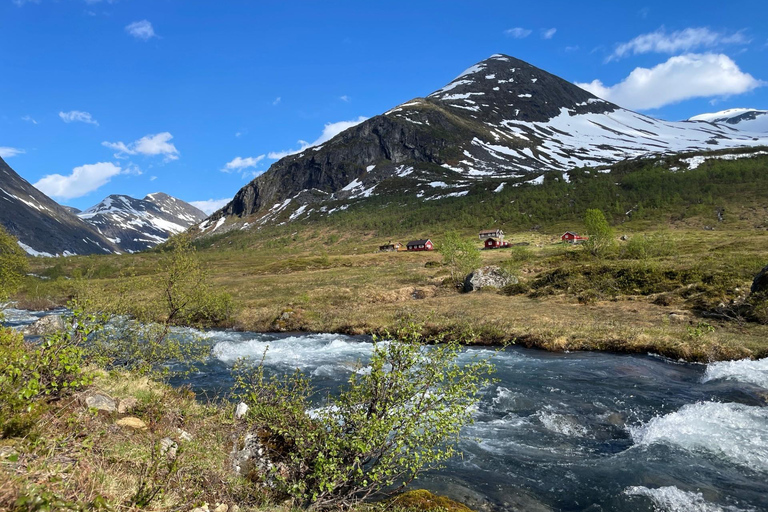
<point x="745" y="119"/>
<point x="501" y="122"/>
<point x="117" y="224"/>
<point x="134" y="225"/>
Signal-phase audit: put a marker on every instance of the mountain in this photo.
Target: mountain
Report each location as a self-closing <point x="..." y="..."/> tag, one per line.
<point x="502" y="121"/>
<point x="134" y="225"/>
<point x="746" y="119"/>
<point x="43" y="227"/>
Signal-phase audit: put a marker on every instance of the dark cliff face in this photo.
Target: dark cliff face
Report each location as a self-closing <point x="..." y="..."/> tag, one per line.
<point x="502" y="121"/>
<point x="42" y="225"/>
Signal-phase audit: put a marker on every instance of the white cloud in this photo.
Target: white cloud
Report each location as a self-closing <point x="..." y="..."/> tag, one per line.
<point x="22" y="2"/>
<point x="6" y="152"/>
<point x="84" y="179"/>
<point x="329" y="131"/>
<point x="141" y="30"/>
<point x="149" y="145"/>
<point x="572" y="48"/>
<point x="239" y="164"/>
<point x="685" y="40"/>
<point x="345" y="98"/>
<point x="29" y="119"/>
<point x="548" y="33"/>
<point x="211" y="205"/>
<point x="518" y="32"/>
<point x="277" y="101"/>
<point x="679" y="78"/>
<point x="77" y="116"/>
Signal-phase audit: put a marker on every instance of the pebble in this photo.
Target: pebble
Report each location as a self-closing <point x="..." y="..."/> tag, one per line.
<point x="132" y="422"/>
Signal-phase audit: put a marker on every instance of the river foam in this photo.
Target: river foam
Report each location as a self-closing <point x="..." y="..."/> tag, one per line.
<point x="672" y="499"/>
<point x="324" y="353"/>
<point x="735" y="432"/>
<point x="745" y="370"/>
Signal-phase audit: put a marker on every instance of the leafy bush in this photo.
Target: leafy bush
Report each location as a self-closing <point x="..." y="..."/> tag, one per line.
<point x="648" y="246"/>
<point x="398" y="416"/>
<point x="53" y="368"/>
<point x="600" y="234"/>
<point x="13" y="264"/>
<point x="460" y="255"/>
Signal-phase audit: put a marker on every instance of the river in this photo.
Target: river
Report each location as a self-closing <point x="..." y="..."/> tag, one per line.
<point x="568" y="431"/>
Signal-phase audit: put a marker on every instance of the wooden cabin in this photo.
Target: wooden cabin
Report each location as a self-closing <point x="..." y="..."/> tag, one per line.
<point x="390" y="247"/>
<point x="573" y="238"/>
<point x="492" y="243"/>
<point x="420" y="245"/>
<point x="492" y="233"/>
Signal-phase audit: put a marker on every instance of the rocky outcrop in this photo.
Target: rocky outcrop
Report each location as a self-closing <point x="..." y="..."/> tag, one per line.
<point x="45" y="326"/>
<point x="488" y="277"/>
<point x="760" y="283"/>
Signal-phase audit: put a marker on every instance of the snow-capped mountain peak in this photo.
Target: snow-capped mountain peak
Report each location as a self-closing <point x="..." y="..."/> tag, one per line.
<point x="745" y="119"/>
<point x="138" y="224"/>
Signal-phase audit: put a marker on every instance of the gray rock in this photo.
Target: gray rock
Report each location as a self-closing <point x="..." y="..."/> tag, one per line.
<point x="168" y="447"/>
<point x="184" y="435"/>
<point x="241" y="411"/>
<point x="488" y="277"/>
<point x="101" y="403"/>
<point x="760" y="284"/>
<point x="46" y="325"/>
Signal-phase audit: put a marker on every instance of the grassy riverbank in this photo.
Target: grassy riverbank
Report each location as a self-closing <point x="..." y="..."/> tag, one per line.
<point x="662" y="298"/>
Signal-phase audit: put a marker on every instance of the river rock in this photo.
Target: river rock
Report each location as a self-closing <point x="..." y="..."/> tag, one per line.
<point x="241" y="411"/>
<point x="46" y="325"/>
<point x="760" y="283"/>
<point x="132" y="422"/>
<point x="490" y="276"/>
<point x="126" y="405"/>
<point x="101" y="403"/>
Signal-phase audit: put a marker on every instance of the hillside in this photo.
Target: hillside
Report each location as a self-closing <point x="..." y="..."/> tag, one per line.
<point x="501" y="123"/>
<point x="43" y="227"/>
<point x="746" y="119"/>
<point x="134" y="225"/>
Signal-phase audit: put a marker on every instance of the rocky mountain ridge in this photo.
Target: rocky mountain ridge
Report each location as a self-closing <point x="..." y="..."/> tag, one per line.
<point x="501" y="122"/>
<point x="42" y="226"/>
<point x="134" y="225"/>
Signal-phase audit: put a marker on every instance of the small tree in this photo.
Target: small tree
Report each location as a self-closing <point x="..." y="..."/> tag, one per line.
<point x="600" y="233"/>
<point x="397" y="417"/>
<point x="460" y="255"/>
<point x="181" y="295"/>
<point x="13" y="264"/>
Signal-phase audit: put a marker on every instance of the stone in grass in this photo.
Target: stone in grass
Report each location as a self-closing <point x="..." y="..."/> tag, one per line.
<point x="168" y="447"/>
<point x="101" y="403"/>
<point x="46" y="325"/>
<point x="490" y="276"/>
<point x="132" y="422"/>
<point x="241" y="411"/>
<point x="184" y="435"/>
<point x="760" y="283"/>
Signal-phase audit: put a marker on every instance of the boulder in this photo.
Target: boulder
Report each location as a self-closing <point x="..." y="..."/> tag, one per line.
<point x="101" y="403"/>
<point x="488" y="277"/>
<point x="46" y="325"/>
<point x="760" y="284"/>
<point x="184" y="435"/>
<point x="132" y="422"/>
<point x="126" y="405"/>
<point x="241" y="411"/>
<point x="221" y="508"/>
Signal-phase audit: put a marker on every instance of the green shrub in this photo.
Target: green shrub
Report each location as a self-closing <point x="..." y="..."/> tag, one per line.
<point x="397" y="417"/>
<point x="460" y="255"/>
<point x="13" y="264"/>
<point x="30" y="373"/>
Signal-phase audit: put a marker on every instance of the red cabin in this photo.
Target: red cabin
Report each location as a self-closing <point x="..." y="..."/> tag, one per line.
<point x="492" y="243"/>
<point x="573" y="238"/>
<point x="420" y="245"/>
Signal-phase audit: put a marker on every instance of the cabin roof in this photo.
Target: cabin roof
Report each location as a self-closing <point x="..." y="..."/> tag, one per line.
<point x="419" y="242"/>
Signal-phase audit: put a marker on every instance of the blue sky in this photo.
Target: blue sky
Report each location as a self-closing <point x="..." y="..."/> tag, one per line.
<point x="194" y="98"/>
